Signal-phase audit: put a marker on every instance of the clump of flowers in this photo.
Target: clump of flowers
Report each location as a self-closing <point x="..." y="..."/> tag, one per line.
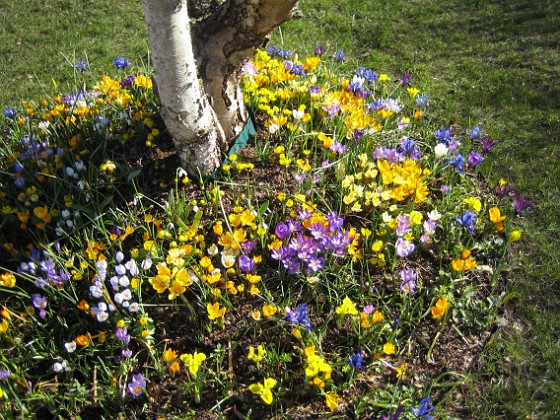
<point x="304" y="244"/>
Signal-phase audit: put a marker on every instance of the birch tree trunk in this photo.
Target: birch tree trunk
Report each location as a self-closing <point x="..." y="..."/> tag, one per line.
<point x="198" y="48"/>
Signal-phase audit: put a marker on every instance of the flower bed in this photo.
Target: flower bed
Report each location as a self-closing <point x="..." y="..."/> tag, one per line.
<point x="347" y="261"/>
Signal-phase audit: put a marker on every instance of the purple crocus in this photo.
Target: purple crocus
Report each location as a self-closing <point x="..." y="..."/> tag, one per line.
<point x="405" y="79"/>
<point x="123" y="335"/>
<point x="319" y="50"/>
<point x="521" y="203"/>
<point x="502" y="189"/>
<point x="136" y="385"/>
<point x="404" y="248"/>
<point x="403" y="225"/>
<point x="335" y="222"/>
<point x="487" y="143"/>
<point x="474" y="159"/>
<point x="314" y="90"/>
<point x="395" y="415"/>
<point x="39" y="302"/>
<point x="298" y="70"/>
<point x="248" y="246"/>
<point x="318" y="230"/>
<point x="246" y="264"/>
<point x="337" y="147"/>
<point x="4" y="374"/>
<point x="408" y="277"/>
<point x="127" y="81"/>
<point x="282" y="230"/>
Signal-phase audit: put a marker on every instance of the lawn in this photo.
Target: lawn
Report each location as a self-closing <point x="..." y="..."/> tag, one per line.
<point x="492" y="354"/>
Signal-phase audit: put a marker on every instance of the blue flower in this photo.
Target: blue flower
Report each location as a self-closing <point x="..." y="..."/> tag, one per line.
<point x="356" y="360"/>
<point x="458" y="162"/>
<point x="82" y="65"/>
<point x="475" y="133"/>
<point x="468" y="221"/>
<point x="422" y="101"/>
<point x="10" y="113"/>
<point x="298" y="70"/>
<point x="423" y="409"/>
<point x="274" y="51"/>
<point x="339" y="56"/>
<point x="368" y="74"/>
<point x="120" y="62"/>
<point x="443" y="135"/>
<point x="300" y="316"/>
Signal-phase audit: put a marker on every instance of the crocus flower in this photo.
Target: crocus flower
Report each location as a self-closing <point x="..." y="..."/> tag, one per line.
<point x="4" y="374"/>
<point x="475" y="133"/>
<point x="300" y="316"/>
<point x="440" y="308"/>
<point x="405" y="79"/>
<point x="422" y="101"/>
<point x="339" y="56"/>
<point x="443" y="135"/>
<point x="487" y="143"/>
<point x="403" y="248"/>
<point x="39" y="302"/>
<point x="458" y="162"/>
<point x="193" y="361"/>
<point x="474" y="159"/>
<point x="441" y="150"/>
<point x="521" y="203"/>
<point x="10" y="113"/>
<point x="356" y="360"/>
<point x="214" y="311"/>
<point x="123" y="335"/>
<point x="467" y="220"/>
<point x="136" y="385"/>
<point x="282" y="230"/>
<point x="347" y="307"/>
<point x="81" y="65"/>
<point x="246" y="264"/>
<point x="424" y="409"/>
<point x="120" y="62"/>
<point x="319" y="50"/>
<point x="409" y="280"/>
<point x="264" y="390"/>
<point x="395" y="415"/>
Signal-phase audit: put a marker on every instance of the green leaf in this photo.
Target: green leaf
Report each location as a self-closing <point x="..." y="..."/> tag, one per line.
<point x="263" y="208"/>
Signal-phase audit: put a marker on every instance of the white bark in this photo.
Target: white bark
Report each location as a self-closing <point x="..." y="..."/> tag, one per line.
<point x="201" y="101"/>
<point x="188" y="116"/>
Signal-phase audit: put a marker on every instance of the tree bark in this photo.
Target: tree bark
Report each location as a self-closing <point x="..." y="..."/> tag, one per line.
<point x="198" y="49"/>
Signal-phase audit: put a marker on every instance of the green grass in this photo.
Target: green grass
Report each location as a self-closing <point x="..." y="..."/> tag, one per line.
<point x="490" y="62"/>
<point x="41" y="41"/>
